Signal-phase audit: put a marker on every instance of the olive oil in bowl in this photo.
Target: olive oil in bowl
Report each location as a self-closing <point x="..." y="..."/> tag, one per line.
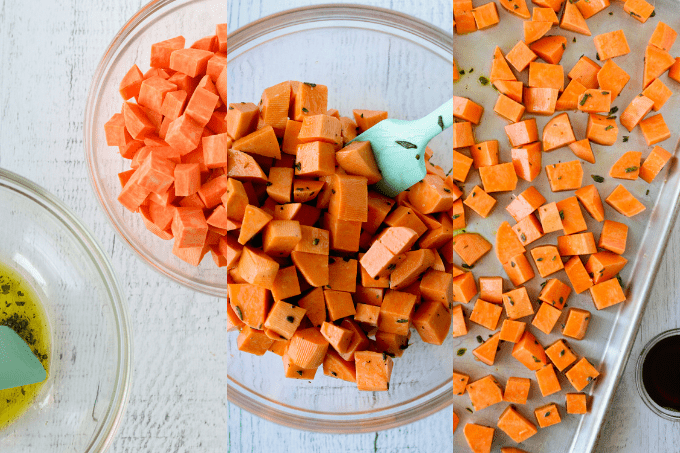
<point x="21" y="311"/>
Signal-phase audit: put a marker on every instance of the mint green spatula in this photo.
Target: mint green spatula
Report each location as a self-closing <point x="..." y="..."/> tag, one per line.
<point x="18" y="365"/>
<point x="399" y="147"/>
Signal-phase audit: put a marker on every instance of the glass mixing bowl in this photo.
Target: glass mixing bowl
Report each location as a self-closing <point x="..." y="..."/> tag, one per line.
<point x="157" y="21"/>
<point x="81" y="404"/>
<point x="374" y="59"/>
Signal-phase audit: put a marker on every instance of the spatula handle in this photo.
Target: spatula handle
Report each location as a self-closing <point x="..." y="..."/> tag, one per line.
<point x="436" y="122"/>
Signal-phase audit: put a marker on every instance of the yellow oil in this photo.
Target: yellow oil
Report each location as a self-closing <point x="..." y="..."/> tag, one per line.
<point x="21" y="310"/>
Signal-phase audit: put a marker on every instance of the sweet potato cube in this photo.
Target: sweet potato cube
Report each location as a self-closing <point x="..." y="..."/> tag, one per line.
<point x="284" y="318"/>
<point x="547" y="259"/>
<point x="337" y="367"/>
<point x="253" y="341"/>
<point x="517" y="303"/>
<point x="607" y="293"/>
<point x="396" y="312"/>
<point x="519" y="269"/>
<point x="551" y="220"/>
<point x="654" y="163"/>
<point x="471" y="247"/>
<point x="308" y="348"/>
<point x="515" y="425"/>
<point x="250" y="303"/>
<point x="571" y="216"/>
<point x="484" y="392"/>
<point x="546" y="318"/>
<point x="577" y="403"/>
<point x="430" y="195"/>
<point x="512" y="330"/>
<point x="374" y="370"/>
<point x="367" y="314"/>
<point x="480" y="202"/>
<point x="312" y="266"/>
<point x="315" y="305"/>
<point x="479" y="438"/>
<point x="491" y="289"/>
<point x="339" y="304"/>
<point x="582" y="374"/>
<point x="517" y="390"/>
<point x="529" y="352"/>
<point x="460" y="382"/>
<point x="498" y="178"/>
<point x="432" y="322"/>
<point x="547" y="380"/>
<point x="526" y="203"/>
<point x="624" y="202"/>
<point x="547" y="415"/>
<point x="458" y="321"/>
<point x="437" y="285"/>
<point x="337" y="336"/>
<point x="613" y="237"/>
<point x="486" y="352"/>
<point x="560" y="355"/>
<point x="464" y="287"/>
<point x="486" y="314"/>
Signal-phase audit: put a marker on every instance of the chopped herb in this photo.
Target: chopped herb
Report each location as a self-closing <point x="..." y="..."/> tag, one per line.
<point x="407" y="145"/>
<point x="609" y="127"/>
<point x="305" y="110"/>
<point x="523" y="237"/>
<point x="334" y="373"/>
<point x="362" y="115"/>
<point x="634" y="14"/>
<point x="479" y="339"/>
<point x="562" y="215"/>
<point x="461" y="72"/>
<point x="573" y="40"/>
<point x="625" y="138"/>
<point x="512" y="264"/>
<point x="535" y="358"/>
<point x="401" y="321"/>
<point x="231" y="108"/>
<point x="618" y="277"/>
<point x="614" y="109"/>
<point x="471" y="70"/>
<point x="631" y="169"/>
<point x="461" y="352"/>
<point x="417" y="156"/>
<point x="483" y="80"/>
<point x="543" y="284"/>
<point x="290" y="319"/>
<point x="447" y="190"/>
<point x="315" y="241"/>
<point x="653" y="13"/>
<point x="597" y="178"/>
<point x="311" y="85"/>
<point x="561" y="299"/>
<point x="440" y="122"/>
<point x="554" y="258"/>
<point x="597" y="56"/>
<point x="547" y="414"/>
<point x="269" y="184"/>
<point x="562" y="353"/>
<point x="455" y="216"/>
<point x="540" y="259"/>
<point x="564" y="46"/>
<point x="465" y="266"/>
<point x="647" y="193"/>
<point x="611" y="13"/>
<point x="585" y="98"/>
<point x="298" y="166"/>
<point x="512" y="302"/>
<point x="299" y="372"/>
<point x="239" y="313"/>
<point x="469" y="410"/>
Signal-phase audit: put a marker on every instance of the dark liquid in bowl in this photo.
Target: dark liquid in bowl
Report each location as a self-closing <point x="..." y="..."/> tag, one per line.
<point x="661" y="373"/>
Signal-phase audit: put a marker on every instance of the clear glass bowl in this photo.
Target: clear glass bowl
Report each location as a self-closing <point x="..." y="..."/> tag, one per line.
<point x="157" y="21"/>
<point x="82" y="402"/>
<point x="655" y="407"/>
<point x="369" y="58"/>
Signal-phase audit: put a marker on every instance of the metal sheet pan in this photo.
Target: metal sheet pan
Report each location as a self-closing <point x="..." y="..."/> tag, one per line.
<point x="612" y="331"/>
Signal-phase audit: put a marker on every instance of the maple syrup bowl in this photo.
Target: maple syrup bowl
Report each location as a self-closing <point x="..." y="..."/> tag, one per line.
<point x="658" y="374"/>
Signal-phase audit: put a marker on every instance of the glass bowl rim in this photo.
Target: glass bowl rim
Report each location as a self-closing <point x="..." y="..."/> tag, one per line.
<point x="649" y="402"/>
<point x="444" y="398"/>
<point x="51" y="204"/>
<point x="137" y="20"/>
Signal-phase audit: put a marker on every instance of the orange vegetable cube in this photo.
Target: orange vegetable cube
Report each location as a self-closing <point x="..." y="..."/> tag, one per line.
<point x="484" y="392"/>
<point x="547" y="415"/>
<point x="547" y="380"/>
<point x="560" y="355"/>
<point x="576" y="324"/>
<point x="582" y="374"/>
<point x="517" y="390"/>
<point x="515" y="425"/>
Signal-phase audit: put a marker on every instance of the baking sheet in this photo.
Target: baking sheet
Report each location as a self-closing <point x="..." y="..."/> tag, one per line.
<point x="611" y="331"/>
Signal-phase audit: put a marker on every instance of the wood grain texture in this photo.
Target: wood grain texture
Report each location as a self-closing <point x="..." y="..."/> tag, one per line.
<point x="248" y="433"/>
<point x="51" y="49"/>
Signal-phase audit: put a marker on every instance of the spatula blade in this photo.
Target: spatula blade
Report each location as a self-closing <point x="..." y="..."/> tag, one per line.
<point x="18" y="365"/>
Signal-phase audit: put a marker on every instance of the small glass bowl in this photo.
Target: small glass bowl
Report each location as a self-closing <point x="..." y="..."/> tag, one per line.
<point x="369" y="58"/>
<point x="81" y="404"/>
<point x="157" y="21"/>
<point x="651" y="404"/>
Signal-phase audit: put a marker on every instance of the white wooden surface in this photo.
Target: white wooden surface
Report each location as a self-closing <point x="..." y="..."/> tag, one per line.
<point x="50" y="50"/>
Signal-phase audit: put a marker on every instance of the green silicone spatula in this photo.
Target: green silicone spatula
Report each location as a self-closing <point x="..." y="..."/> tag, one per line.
<point x="399" y="147"/>
<point x="18" y="365"/>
